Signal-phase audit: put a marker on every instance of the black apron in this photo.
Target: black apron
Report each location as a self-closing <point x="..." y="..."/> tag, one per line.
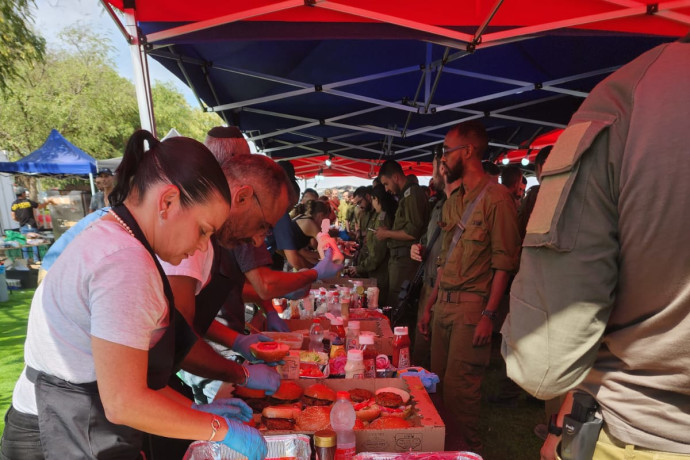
<point x="71" y="417"/>
<point x="218" y="291"/>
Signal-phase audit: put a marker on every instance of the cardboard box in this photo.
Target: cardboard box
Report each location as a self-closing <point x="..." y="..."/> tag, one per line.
<point x="428" y="433"/>
<point x="384" y="335"/>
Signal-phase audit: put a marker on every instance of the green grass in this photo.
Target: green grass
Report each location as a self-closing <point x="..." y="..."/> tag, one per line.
<point x="506" y="430"/>
<point x="14" y="315"/>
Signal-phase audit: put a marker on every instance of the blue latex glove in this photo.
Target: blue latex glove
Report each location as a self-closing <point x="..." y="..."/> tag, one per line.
<point x="298" y="294"/>
<point x="245" y="440"/>
<point x="233" y="408"/>
<point x="276" y="323"/>
<point x="242" y="343"/>
<point x="263" y="377"/>
<point x="326" y="268"/>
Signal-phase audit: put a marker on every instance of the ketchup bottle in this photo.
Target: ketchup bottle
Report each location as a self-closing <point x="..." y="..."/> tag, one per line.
<point x="401" y="348"/>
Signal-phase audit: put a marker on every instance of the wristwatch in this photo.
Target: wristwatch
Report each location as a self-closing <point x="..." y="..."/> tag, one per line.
<point x="553" y="427"/>
<point x="489" y="314"/>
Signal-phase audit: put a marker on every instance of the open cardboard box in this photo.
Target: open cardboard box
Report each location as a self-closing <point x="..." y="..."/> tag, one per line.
<point x="427" y="433"/>
<point x="384" y="335"/>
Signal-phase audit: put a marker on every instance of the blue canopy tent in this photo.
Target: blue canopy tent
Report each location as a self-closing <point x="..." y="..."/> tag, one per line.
<point x="57" y="156"/>
<point x="354" y="80"/>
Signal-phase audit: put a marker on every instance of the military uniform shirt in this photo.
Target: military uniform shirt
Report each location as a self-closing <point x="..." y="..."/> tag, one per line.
<point x="412" y="214"/>
<point x="491" y="240"/>
<point x="376" y="250"/>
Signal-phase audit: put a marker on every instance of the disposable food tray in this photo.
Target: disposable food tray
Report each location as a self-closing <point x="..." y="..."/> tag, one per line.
<point x="284" y="447"/>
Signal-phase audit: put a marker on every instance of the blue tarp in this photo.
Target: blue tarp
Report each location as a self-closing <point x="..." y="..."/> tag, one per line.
<point x="57" y="156"/>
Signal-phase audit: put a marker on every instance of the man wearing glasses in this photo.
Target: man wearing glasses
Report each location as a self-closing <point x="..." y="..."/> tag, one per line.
<point x="471" y="278"/>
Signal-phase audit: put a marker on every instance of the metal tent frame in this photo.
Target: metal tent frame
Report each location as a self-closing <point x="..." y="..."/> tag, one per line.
<point x="366" y="125"/>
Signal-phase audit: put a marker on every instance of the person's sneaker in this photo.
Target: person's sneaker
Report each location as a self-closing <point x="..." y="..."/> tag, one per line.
<point x="541" y="431"/>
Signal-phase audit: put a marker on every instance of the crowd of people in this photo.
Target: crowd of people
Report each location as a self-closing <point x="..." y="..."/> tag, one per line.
<point x="155" y="282"/>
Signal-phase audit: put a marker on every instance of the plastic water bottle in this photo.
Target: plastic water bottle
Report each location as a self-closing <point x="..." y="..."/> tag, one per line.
<point x="343" y="421"/>
<point x="316" y="336"/>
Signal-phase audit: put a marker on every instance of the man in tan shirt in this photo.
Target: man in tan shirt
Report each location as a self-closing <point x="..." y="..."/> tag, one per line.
<point x="602" y="300"/>
<point x="472" y="278"/>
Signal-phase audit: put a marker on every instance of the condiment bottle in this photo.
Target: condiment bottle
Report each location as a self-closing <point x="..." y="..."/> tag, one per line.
<point x="352" y="339"/>
<point x="345" y="304"/>
<point x="354" y="369"/>
<point x="324" y="442"/>
<point x="337" y="328"/>
<point x="401" y="348"/>
<point x="316" y="336"/>
<point x="369" y="354"/>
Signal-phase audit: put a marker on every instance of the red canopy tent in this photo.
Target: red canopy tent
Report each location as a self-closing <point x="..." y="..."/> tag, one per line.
<point x="268" y="66"/>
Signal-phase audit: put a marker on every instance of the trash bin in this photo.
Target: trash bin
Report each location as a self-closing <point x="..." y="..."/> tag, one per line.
<point x="4" y="294"/>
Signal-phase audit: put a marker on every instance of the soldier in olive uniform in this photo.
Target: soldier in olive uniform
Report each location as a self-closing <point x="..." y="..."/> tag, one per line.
<point x="408" y="226"/>
<point x="421" y="353"/>
<point x="373" y="261"/>
<point x="365" y="218"/>
<point x="472" y="278"/>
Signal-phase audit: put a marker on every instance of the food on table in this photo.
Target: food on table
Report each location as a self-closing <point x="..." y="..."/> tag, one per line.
<point x="364" y="403"/>
<point x="394" y="402"/>
<point x="314" y="418"/>
<point x="389" y="423"/>
<point x="256" y="399"/>
<point x="269" y="351"/>
<point x="318" y="395"/>
<point x="287" y="393"/>
<point x="280" y="417"/>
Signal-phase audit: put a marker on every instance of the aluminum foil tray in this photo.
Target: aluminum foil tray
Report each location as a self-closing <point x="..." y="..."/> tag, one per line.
<point x="288" y="446"/>
<point x="417" y="456"/>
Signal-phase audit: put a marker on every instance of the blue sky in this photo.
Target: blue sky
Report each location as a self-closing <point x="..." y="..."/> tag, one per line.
<point x="52" y="16"/>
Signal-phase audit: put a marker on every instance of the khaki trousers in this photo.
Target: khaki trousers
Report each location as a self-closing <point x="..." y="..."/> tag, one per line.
<point x="459" y="365"/>
<point x="610" y="448"/>
<point x="421" y="352"/>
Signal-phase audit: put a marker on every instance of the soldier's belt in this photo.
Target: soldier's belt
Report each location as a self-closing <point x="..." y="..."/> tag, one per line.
<point x="400" y="251"/>
<point x="458" y="296"/>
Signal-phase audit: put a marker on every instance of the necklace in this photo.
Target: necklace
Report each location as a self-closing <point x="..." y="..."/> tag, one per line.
<point x="122" y="222"/>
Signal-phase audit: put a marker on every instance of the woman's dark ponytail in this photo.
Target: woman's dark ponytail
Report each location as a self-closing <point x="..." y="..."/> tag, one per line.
<point x="180" y="161"/>
<point x="134" y="153"/>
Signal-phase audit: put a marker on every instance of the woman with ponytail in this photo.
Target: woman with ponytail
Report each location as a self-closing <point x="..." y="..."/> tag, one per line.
<point x="104" y="336"/>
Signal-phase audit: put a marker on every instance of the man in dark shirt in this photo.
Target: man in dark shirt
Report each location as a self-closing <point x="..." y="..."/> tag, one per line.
<point x="23" y="210"/>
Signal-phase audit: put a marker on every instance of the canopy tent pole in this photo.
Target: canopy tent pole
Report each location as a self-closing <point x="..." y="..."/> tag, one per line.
<point x="141" y="74"/>
<point x="93" y="186"/>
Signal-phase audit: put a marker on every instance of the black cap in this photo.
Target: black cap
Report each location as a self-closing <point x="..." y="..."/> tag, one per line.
<point x="105" y="171"/>
<point x="232" y="132"/>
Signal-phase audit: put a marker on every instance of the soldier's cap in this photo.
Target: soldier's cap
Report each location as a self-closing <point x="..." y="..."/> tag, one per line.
<point x="232" y="132"/>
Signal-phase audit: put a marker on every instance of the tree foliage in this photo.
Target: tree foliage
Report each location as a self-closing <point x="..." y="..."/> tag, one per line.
<point x="77" y="91"/>
<point x="18" y="43"/>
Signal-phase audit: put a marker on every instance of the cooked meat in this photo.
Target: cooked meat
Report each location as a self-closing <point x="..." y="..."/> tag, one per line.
<point x="309" y="401"/>
<point x="387" y="399"/>
<point x="278" y="423"/>
<point x="360" y="395"/>
<point x="258" y="404"/>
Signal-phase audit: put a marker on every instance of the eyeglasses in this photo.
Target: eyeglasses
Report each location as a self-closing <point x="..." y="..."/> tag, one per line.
<point x="445" y="151"/>
<point x="265" y="226"/>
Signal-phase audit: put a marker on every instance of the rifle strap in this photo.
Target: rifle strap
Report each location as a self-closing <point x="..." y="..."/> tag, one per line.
<point x="460" y="226"/>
